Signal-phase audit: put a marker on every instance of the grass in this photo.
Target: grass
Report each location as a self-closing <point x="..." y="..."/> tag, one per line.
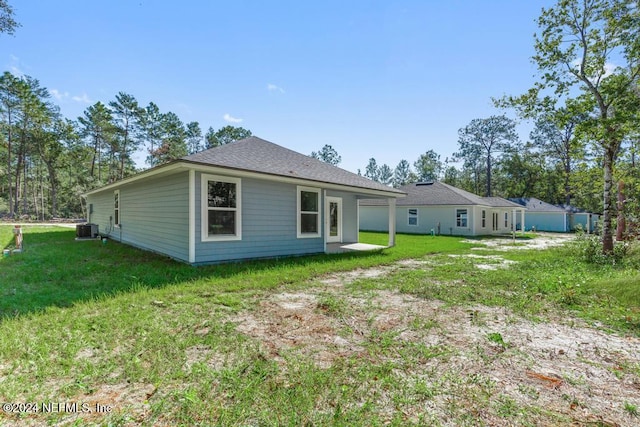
<point x="82" y="321"/>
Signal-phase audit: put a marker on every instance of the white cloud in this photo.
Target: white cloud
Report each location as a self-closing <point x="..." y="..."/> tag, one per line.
<point x="273" y="88"/>
<point x="609" y="68"/>
<point x="229" y="118"/>
<point x="58" y="95"/>
<point x="14" y="66"/>
<point x="84" y="99"/>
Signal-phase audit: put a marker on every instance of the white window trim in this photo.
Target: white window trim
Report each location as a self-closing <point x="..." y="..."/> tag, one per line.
<point x="299" y="212"/>
<point x="417" y="216"/>
<point x="456" y="217"/>
<point x="117" y="219"/>
<point x="204" y="188"/>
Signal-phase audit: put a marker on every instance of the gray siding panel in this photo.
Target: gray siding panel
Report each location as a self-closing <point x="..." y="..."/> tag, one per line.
<point x="269" y="215"/>
<point x="153" y="215"/>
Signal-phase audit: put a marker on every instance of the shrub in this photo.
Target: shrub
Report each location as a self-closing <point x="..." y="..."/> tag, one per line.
<point x="589" y="249"/>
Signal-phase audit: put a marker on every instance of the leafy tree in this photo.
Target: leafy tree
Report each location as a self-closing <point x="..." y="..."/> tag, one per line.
<point x="520" y="171"/>
<point x="578" y="43"/>
<point x="9" y="103"/>
<point x="127" y="120"/>
<point x="328" y="155"/>
<point x="98" y="130"/>
<point x="194" y="138"/>
<point x="151" y="126"/>
<point x="402" y="174"/>
<point x="451" y="176"/>
<point x="484" y="140"/>
<point x="555" y="135"/>
<point x="371" y="171"/>
<point x="225" y="135"/>
<point x="385" y="174"/>
<point x="8" y="23"/>
<point x="35" y="112"/>
<point x="172" y="142"/>
<point x="428" y="166"/>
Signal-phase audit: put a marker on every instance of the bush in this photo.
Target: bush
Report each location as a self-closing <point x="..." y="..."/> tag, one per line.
<point x="589" y="249"/>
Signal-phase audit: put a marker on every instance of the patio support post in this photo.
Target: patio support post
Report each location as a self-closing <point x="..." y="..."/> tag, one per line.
<point x="522" y="221"/>
<point x="392" y="222"/>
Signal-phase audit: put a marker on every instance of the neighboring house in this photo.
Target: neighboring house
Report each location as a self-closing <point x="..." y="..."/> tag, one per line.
<point x="438" y="208"/>
<point x="543" y="216"/>
<point x="243" y="200"/>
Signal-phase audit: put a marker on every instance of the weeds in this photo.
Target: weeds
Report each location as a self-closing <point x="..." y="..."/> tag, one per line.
<point x="631" y="409"/>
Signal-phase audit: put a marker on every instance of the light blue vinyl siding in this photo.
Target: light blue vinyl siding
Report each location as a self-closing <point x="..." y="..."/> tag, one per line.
<point x="374" y="218"/>
<point x="154" y="214"/>
<point x="546" y="221"/>
<point x="442" y="219"/>
<point x="269" y="211"/>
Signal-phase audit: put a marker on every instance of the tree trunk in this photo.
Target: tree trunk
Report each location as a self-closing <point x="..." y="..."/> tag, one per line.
<point x="10" y="198"/>
<point x="489" y="192"/>
<point x="567" y="183"/>
<point x="622" y="223"/>
<point x="16" y="200"/>
<point x="607" y="211"/>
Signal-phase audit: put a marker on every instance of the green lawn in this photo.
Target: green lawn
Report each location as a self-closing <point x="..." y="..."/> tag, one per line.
<point x="157" y="340"/>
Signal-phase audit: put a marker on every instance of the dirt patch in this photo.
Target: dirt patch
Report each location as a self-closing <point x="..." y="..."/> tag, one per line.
<point x="562" y="366"/>
<point x="541" y="241"/>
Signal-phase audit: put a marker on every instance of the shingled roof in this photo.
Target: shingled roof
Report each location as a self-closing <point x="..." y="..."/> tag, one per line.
<point x="536" y="205"/>
<point x="254" y="154"/>
<point x="437" y="193"/>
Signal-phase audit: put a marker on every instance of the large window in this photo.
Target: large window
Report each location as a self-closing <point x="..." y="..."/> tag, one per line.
<point x="461" y="218"/>
<point x="412" y="217"/>
<point x="116" y="208"/>
<point x="308" y="212"/>
<point x="221" y="214"/>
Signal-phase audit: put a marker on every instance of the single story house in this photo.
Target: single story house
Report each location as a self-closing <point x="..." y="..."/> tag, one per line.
<point x="543" y="216"/>
<point x="439" y="208"/>
<point x="244" y="200"/>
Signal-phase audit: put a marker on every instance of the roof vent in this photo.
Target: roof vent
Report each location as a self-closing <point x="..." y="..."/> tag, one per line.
<point x="418" y="184"/>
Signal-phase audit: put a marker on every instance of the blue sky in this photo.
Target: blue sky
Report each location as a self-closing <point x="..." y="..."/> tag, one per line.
<point x="383" y="79"/>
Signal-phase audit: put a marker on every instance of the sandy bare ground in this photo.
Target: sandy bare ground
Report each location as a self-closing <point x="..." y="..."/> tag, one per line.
<point x="560" y="365"/>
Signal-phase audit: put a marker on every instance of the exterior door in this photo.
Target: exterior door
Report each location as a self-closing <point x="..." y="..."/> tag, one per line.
<point x="334" y="219"/>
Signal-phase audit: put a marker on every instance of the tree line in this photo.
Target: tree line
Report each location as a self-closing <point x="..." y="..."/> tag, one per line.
<point x="47" y="161"/>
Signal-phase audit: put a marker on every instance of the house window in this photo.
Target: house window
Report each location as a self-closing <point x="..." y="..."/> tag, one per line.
<point x="116" y="208"/>
<point x="461" y="217"/>
<point x="308" y="212"/>
<point x="412" y="217"/>
<point x="484" y="219"/>
<point x="506" y="219"/>
<point x="221" y="213"/>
